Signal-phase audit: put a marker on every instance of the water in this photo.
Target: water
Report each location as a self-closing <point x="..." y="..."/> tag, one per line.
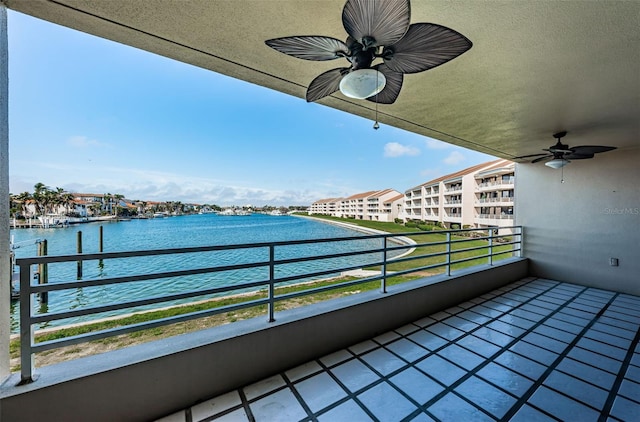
<point x="177" y="232"/>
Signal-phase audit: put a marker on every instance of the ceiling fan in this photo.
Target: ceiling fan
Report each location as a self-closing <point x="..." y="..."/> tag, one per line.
<point x="376" y="30"/>
<point x="561" y="154"/>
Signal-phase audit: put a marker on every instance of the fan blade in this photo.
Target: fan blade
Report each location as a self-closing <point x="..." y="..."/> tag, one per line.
<point x="591" y="149"/>
<point x="310" y="47"/>
<point x="325" y="84"/>
<point x="575" y="156"/>
<point x="537" y="160"/>
<point x="425" y="46"/>
<point x="384" y="21"/>
<point x="528" y="156"/>
<point x="391" y="89"/>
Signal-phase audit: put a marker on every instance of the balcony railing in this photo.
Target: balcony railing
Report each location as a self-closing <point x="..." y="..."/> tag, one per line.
<point x="496" y="199"/>
<point x="454" y="189"/>
<point x="267" y="270"/>
<point x="509" y="181"/>
<point x="496" y="216"/>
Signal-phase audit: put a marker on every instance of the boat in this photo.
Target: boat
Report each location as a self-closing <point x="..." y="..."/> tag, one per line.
<point x="53" y="221"/>
<point x="231" y="211"/>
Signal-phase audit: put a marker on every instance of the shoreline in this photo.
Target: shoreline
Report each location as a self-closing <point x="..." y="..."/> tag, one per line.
<point x="399" y="239"/>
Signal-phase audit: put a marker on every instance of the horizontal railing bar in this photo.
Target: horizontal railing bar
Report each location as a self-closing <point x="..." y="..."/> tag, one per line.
<point x="50" y="287"/>
<point x="327" y="288"/>
<point x="329" y="256"/>
<point x="142" y="253"/>
<point x="82" y="338"/>
<point x="475" y="248"/>
<point x="325" y="272"/>
<point x="415" y="270"/>
<point x="415" y="257"/>
<point x="459" y="261"/>
<point x="142" y="302"/>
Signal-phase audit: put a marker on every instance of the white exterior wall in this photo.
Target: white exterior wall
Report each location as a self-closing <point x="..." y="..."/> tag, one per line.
<point x="572" y="229"/>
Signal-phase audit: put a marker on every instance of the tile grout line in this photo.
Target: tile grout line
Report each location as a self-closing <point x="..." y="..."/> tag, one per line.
<point x="385" y="378"/>
<point x="245" y="405"/>
<point x="422" y="408"/>
<point x="294" y="391"/>
<point x="551" y="367"/>
<point x="350" y="395"/>
<point x="447" y="389"/>
<point x="487" y="360"/>
<point x="613" y="392"/>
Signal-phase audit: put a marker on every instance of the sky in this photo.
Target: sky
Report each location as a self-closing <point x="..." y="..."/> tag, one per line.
<point x="93" y="116"/>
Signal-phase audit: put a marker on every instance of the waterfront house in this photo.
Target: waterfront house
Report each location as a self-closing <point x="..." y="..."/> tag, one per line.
<point x="535" y="68"/>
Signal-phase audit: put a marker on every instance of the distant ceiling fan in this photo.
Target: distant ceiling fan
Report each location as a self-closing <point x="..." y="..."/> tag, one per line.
<point x="377" y="30"/>
<point x="561" y="154"/>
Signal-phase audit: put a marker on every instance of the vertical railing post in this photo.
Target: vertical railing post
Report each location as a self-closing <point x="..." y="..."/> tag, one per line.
<point x="490" y="232"/>
<point x="383" y="287"/>
<point x="448" y="262"/>
<point x="26" y="328"/>
<point x="519" y="251"/>
<point x="43" y="270"/>
<point x="272" y="273"/>
<point x="79" y="251"/>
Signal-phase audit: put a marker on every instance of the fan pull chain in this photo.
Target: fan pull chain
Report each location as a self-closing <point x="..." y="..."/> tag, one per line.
<point x="562" y="174"/>
<point x="376" y="125"/>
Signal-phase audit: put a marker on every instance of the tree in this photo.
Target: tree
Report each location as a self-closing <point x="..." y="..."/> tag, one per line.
<point x="117" y="198"/>
<point x="39" y="197"/>
<point x="107" y="200"/>
<point x="23" y="199"/>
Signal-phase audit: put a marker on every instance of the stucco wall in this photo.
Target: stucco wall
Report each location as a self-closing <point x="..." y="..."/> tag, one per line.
<point x="572" y="229"/>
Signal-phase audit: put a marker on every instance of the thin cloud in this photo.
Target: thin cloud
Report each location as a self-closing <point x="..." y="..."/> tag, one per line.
<point x="455" y="157"/>
<point x="394" y="149"/>
<point x="435" y="144"/>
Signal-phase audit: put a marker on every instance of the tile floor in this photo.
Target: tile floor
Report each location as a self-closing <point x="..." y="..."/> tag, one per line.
<point x="535" y="350"/>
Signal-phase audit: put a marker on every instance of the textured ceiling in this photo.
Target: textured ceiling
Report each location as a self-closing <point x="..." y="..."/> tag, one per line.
<point x="535" y="68"/>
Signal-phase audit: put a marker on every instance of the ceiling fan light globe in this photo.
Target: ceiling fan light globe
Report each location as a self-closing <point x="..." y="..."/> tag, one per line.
<point x="363" y="83"/>
<point x="557" y="163"/>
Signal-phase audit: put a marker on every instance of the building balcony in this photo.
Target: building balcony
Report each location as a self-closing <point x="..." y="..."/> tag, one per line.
<point x="453" y="202"/>
<point x="509" y="182"/>
<point x="477" y="343"/>
<point x="495" y="216"/>
<point x="454" y="189"/>
<point x="503" y="199"/>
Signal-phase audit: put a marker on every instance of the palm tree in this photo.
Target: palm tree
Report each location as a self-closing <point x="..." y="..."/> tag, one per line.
<point x="23" y="199"/>
<point x="39" y="197"/>
<point x="67" y="199"/>
<point x="117" y="197"/>
<point x="107" y="198"/>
